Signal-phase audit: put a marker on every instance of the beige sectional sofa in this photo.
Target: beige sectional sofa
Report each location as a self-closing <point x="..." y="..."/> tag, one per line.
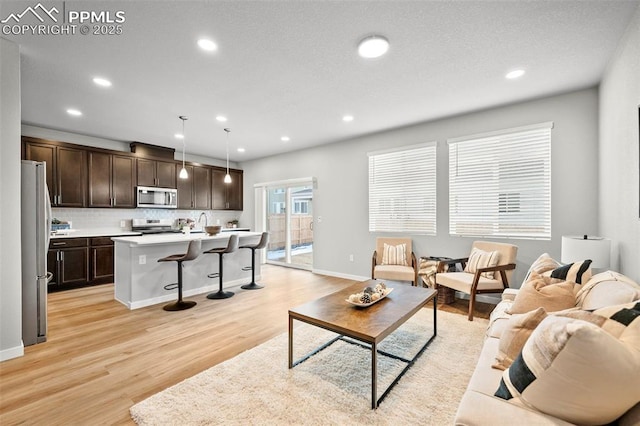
<point x="480" y="406"/>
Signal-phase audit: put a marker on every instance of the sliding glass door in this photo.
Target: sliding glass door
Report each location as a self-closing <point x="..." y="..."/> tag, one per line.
<point x="289" y="220"/>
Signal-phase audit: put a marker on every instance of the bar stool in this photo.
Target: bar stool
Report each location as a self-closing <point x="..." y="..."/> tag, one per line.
<point x="264" y="239"/>
<point x="230" y="248"/>
<point x="192" y="252"/>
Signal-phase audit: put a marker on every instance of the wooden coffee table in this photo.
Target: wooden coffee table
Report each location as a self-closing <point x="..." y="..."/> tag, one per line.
<point x="367" y="325"/>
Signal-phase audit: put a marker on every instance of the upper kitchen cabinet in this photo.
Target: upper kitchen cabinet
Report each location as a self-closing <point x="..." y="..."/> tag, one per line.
<point x="157" y="173"/>
<point x="111" y="180"/>
<point x="226" y="196"/>
<point x="66" y="170"/>
<point x="195" y="191"/>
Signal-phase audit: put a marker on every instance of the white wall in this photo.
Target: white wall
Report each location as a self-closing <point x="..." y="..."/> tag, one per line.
<point x="10" y="269"/>
<point x="341" y="197"/>
<point x="619" y="144"/>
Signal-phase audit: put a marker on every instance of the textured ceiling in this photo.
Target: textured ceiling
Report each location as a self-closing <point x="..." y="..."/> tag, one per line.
<point x="291" y="68"/>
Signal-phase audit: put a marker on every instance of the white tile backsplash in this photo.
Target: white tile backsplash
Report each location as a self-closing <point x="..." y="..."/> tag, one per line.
<point x="111" y="218"/>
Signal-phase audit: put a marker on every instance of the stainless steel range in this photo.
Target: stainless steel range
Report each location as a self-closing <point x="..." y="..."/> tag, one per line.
<point x="153" y="226"/>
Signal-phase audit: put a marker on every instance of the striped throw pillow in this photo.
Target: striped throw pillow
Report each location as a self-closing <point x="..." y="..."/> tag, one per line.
<point x="578" y="272"/>
<point x="394" y="255"/>
<point x="479" y="259"/>
<point x="581" y="367"/>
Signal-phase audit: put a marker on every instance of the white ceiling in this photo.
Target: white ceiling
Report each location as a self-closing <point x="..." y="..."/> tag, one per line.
<point x="291" y="67"/>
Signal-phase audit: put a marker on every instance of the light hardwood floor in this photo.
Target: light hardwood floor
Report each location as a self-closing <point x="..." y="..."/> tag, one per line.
<point x="101" y="358"/>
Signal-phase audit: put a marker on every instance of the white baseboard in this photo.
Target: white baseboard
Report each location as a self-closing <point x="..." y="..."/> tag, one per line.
<point x="340" y="275"/>
<point x="485" y="298"/>
<point x="15" y="352"/>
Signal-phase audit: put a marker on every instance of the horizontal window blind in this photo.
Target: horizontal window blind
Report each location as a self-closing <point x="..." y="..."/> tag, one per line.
<point x="402" y="190"/>
<point x="500" y="184"/>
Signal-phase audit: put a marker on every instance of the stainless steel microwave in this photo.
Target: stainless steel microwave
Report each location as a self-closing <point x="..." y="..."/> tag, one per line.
<point x="157" y="198"/>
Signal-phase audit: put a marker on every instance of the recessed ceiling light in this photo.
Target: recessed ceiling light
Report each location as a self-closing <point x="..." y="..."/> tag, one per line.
<point x="373" y="47"/>
<point x="102" y="82"/>
<point x="179" y="136"/>
<point x="347" y="118"/>
<point x="208" y="45"/>
<point x="74" y="112"/>
<point x="285" y="139"/>
<point x="240" y="149"/>
<point x="221" y="118"/>
<point x="514" y="74"/>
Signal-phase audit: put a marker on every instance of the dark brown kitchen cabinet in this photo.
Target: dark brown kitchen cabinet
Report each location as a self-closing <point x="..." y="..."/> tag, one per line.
<point x="111" y="180"/>
<point x="156" y="173"/>
<point x="101" y="255"/>
<point x="66" y="171"/>
<point x="226" y="196"/>
<point x="68" y="262"/>
<point x="78" y="262"/>
<point x="195" y="191"/>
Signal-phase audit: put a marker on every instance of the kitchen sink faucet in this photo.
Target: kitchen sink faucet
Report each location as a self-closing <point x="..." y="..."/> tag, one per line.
<point x="205" y="218"/>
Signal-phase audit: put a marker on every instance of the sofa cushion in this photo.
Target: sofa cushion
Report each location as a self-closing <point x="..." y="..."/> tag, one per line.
<point x="607" y="289"/>
<point x="543" y="292"/>
<point x="575" y="370"/>
<point x="394" y="255"/>
<point x="515" y="334"/>
<point x="479" y="259"/>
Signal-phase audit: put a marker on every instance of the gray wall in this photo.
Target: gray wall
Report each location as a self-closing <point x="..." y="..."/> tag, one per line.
<point x="619" y="143"/>
<point x="341" y="197"/>
<point x="10" y="268"/>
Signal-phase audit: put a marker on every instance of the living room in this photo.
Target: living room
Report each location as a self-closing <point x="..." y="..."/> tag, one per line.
<point x="595" y="182"/>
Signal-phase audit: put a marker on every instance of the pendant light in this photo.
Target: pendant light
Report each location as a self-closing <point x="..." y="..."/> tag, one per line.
<point x="227" y="177"/>
<point x="183" y="173"/>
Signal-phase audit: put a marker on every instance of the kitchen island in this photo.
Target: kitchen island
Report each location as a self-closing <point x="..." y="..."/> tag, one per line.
<point x="140" y="278"/>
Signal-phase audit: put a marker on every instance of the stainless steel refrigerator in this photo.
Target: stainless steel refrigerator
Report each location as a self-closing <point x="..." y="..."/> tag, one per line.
<point x="36" y="228"/>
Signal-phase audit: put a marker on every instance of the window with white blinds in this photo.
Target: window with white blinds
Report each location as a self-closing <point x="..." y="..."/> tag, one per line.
<point x="402" y="190"/>
<point x="500" y="183"/>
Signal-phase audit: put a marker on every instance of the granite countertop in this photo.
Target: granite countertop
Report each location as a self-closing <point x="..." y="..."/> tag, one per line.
<point x="154" y="239"/>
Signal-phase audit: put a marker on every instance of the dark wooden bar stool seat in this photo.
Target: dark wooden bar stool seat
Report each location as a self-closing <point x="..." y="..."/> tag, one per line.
<point x="230" y="248"/>
<point x="264" y="239"/>
<point x="193" y="251"/>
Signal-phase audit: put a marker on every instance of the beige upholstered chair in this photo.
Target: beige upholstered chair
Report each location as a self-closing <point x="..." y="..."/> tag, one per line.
<point x="390" y="270"/>
<point x="476" y="282"/>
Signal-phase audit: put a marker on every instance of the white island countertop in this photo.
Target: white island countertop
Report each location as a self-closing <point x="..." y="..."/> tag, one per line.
<point x="171" y="238"/>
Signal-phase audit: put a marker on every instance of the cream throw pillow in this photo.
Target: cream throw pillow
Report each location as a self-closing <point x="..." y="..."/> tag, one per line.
<point x="394" y="255"/>
<point x="543" y="292"/>
<point x="542" y="264"/>
<point x="578" y="371"/>
<point x="517" y="330"/>
<point x="479" y="259"/>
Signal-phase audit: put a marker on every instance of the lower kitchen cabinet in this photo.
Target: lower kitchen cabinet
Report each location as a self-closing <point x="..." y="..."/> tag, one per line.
<point x="101" y="259"/>
<point x="79" y="262"/>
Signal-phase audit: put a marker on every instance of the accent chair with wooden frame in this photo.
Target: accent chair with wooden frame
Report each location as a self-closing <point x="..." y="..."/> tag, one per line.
<point x="477" y="282"/>
<point x="386" y="269"/>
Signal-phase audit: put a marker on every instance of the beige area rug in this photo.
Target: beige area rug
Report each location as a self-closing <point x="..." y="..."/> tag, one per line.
<point x="332" y="387"/>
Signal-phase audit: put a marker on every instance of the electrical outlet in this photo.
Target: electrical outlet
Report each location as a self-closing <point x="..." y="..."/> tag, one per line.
<point x="350" y="258"/>
<point x="123" y="224"/>
<point x="142" y="259"/>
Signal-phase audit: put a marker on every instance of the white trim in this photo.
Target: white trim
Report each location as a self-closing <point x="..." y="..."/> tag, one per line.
<point x="288" y="182"/>
<point x="340" y="275"/>
<point x="10" y="353"/>
<point x="403" y="148"/>
<point x="545" y="125"/>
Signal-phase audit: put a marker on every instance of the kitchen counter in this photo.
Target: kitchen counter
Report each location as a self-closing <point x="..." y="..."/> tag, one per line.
<point x="140" y="278"/>
<point x="89" y="233"/>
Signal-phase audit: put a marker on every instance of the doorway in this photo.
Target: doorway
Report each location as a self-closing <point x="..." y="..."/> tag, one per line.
<point x="289" y="221"/>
